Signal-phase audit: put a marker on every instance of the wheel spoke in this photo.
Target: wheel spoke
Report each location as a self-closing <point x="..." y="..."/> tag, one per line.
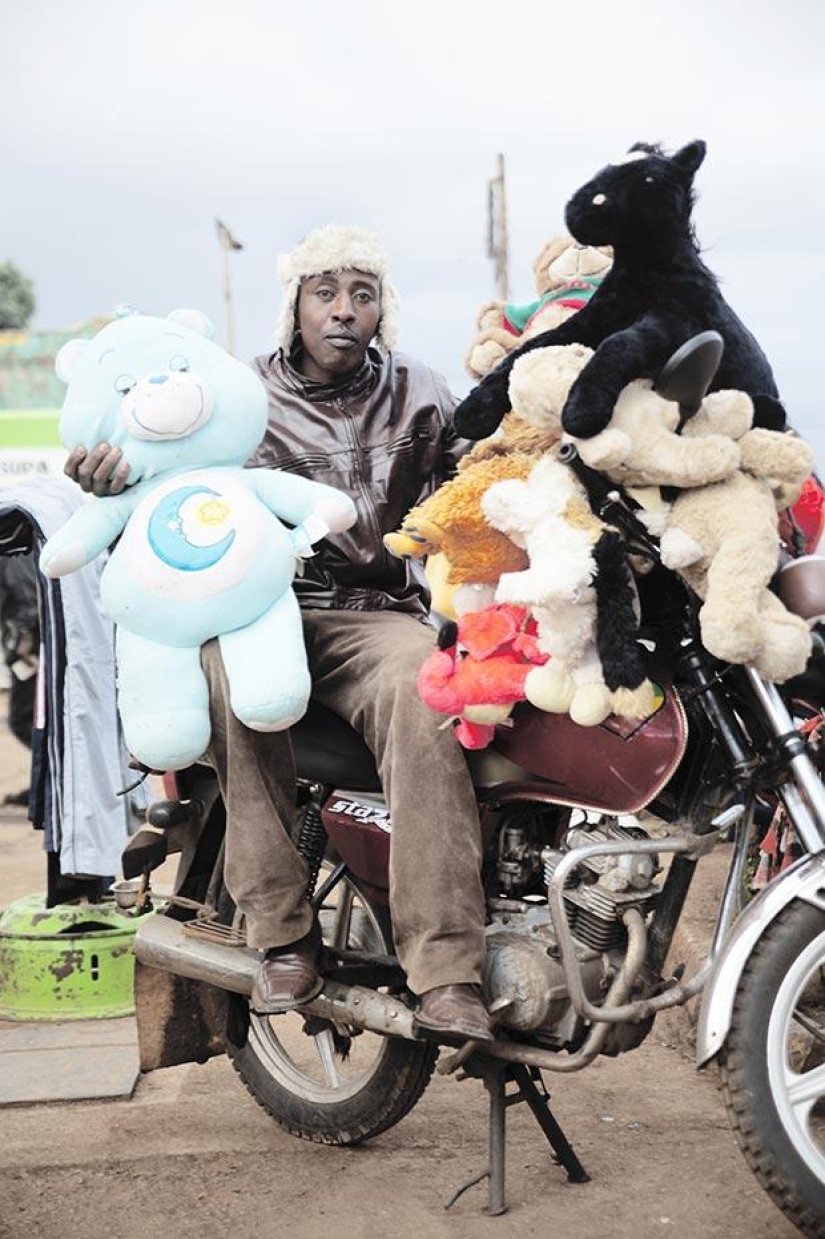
<point x="814" y="1030"/>
<point x="805" y="1089"/>
<point x="322" y="1069"/>
<point x="325" y="1045"/>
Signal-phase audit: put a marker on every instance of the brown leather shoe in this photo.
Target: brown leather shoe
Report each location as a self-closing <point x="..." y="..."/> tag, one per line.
<point x="454" y="1011"/>
<point x="288" y="976"/>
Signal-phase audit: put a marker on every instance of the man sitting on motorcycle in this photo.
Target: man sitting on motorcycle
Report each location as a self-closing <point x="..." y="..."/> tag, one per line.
<point x="347" y="410"/>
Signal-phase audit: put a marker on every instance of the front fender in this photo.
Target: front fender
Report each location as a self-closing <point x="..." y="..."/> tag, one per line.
<point x="805" y="880"/>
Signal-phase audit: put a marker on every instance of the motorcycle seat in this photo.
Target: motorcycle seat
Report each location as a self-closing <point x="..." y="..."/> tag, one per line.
<point x="329" y="751"/>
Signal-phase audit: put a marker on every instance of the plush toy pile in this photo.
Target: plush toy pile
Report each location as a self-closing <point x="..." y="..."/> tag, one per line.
<point x="202" y="552"/>
<point x="521" y="526"/>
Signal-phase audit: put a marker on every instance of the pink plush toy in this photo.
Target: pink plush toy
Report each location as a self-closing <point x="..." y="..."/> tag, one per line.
<point x="477" y="673"/>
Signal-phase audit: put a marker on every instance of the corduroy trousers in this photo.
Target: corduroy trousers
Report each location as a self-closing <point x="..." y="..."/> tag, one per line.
<point x="363" y="666"/>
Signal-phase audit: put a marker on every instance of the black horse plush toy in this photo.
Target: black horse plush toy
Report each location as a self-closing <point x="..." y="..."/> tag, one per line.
<point x="657" y="295"/>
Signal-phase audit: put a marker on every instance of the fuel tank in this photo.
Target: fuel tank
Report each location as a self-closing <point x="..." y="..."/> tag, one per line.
<point x="617" y="767"/>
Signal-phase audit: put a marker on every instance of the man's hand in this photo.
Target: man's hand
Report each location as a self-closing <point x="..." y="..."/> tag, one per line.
<point x="102" y="471"/>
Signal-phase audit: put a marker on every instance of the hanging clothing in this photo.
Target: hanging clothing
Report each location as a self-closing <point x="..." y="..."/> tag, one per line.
<point x="20" y="637"/>
<point x="79" y="761"/>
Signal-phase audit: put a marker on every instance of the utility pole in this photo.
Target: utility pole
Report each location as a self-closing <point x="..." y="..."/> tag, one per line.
<point x="497" y="229"/>
<point x="227" y="243"/>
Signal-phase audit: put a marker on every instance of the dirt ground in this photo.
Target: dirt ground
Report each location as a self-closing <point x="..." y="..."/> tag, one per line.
<point x="192" y="1155"/>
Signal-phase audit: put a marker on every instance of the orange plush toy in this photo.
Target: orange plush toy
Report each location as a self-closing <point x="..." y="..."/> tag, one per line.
<point x="477" y="673"/>
<point x="449" y="527"/>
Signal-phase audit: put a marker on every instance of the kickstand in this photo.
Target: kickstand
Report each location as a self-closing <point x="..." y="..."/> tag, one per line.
<point x="496" y="1077"/>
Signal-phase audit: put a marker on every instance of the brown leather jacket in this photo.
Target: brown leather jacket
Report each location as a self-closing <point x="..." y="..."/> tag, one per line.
<point x="387" y="440"/>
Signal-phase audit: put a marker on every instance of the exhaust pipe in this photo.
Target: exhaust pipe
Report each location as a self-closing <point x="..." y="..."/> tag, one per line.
<point x="162" y="943"/>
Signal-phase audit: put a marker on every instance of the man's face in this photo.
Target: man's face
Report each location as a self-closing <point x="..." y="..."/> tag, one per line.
<point x="337" y="316"/>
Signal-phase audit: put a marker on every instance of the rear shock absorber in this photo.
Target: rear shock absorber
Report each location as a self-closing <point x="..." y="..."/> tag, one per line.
<point x="312" y="839"/>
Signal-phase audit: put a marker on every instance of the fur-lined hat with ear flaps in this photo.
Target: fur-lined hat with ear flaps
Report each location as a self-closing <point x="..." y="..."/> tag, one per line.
<point x="336" y="247"/>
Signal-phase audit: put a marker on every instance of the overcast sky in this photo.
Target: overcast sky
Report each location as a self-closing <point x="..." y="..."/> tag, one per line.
<point x="127" y="127"/>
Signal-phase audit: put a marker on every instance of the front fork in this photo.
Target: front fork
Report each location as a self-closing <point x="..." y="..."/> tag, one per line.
<point x="802" y="794"/>
<point x="804" y="798"/>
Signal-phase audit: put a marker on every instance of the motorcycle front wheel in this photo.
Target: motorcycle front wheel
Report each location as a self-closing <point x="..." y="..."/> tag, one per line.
<point x="318" y="1082"/>
<point x="773" y="1065"/>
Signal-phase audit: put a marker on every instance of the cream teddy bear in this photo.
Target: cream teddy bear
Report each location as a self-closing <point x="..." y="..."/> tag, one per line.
<point x="720" y="534"/>
<point x="567" y="274"/>
<point x="723" y="539"/>
<point x="642" y="448"/>
<point x="642" y="445"/>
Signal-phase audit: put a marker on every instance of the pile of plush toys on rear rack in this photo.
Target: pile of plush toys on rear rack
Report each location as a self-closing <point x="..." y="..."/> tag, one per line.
<point x="538" y="583"/>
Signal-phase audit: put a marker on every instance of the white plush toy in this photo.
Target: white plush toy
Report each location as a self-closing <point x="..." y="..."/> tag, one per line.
<point x="540" y="515"/>
<point x="549" y="516"/>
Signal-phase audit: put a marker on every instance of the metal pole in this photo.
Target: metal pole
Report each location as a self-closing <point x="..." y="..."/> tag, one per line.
<point x="540" y="1106"/>
<point x="230" y="313"/>
<point x="503" y="261"/>
<point x="227" y="242"/>
<point x="497" y="246"/>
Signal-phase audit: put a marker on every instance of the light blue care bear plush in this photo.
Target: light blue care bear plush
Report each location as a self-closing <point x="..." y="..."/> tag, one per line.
<point x="201" y="551"/>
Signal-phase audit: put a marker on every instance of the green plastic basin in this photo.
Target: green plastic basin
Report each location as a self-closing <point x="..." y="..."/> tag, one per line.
<point x="70" y="962"/>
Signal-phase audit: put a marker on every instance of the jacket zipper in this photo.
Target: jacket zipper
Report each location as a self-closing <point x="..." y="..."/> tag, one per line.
<point x="352" y="434"/>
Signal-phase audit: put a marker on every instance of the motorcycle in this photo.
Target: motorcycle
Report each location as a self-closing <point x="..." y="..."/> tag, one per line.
<point x="592" y="839"/>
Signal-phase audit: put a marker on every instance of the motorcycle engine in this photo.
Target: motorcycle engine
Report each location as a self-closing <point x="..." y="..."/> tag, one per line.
<point x="524" y="981"/>
<point x="606" y="885"/>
